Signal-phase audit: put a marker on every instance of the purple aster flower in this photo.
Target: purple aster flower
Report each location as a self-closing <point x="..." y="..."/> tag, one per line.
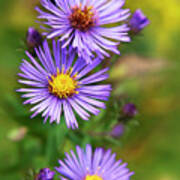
<point x="45" y="174"/>
<point x="33" y="38"/>
<point x="138" y="21"/>
<point x="118" y="130"/>
<point x="60" y="84"/>
<point x="82" y="24"/>
<point x="86" y="165"/>
<point x="129" y="110"/>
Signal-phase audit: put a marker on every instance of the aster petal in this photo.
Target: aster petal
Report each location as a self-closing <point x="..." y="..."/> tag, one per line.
<point x="69" y="161"/>
<point x="41" y="107"/>
<point x="76" y="161"/>
<point x="99" y="76"/>
<point x="69" y="116"/>
<point x="78" y="66"/>
<point x="88" y="157"/>
<point x="97" y="157"/>
<point x="49" y="6"/>
<point x="88" y="68"/>
<point x="109" y="163"/>
<point x="117" y="17"/>
<point x="82" y="113"/>
<point x="49" y="57"/>
<point x="28" y="68"/>
<point x="93" y="102"/>
<point x="80" y="153"/>
<point x="53" y="109"/>
<point x="35" y="93"/>
<point x="115" y="6"/>
<point x="57" y="32"/>
<point x="86" y="106"/>
<point x="31" y="83"/>
<point x="65" y="170"/>
<point x="36" y="64"/>
<point x="37" y="98"/>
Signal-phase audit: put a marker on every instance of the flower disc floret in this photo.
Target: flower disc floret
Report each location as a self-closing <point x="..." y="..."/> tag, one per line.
<point x="63" y="85"/>
<point x="93" y="177"/>
<point x="82" y="19"/>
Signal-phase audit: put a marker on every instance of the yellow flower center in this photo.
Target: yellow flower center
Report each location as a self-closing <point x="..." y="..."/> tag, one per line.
<point x="82" y="19"/>
<point x="93" y="177"/>
<point x="63" y="85"/>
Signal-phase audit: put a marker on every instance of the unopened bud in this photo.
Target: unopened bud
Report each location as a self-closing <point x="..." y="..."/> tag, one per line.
<point x="138" y="21"/>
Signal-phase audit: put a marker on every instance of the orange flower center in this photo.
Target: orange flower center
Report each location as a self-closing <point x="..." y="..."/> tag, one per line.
<point x="82" y="19"/>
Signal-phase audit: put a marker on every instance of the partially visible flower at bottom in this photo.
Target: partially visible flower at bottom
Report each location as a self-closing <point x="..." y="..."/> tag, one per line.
<point x="61" y="84"/>
<point x="45" y="174"/>
<point x="138" y="21"/>
<point x="86" y="165"/>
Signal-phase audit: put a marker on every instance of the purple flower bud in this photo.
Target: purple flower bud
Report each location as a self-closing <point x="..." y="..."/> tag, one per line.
<point x="33" y="38"/>
<point x="138" y="21"/>
<point x="45" y="174"/>
<point x="118" y="130"/>
<point x="129" y="110"/>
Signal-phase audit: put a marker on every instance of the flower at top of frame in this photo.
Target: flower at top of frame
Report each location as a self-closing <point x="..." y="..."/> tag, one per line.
<point x="90" y="26"/>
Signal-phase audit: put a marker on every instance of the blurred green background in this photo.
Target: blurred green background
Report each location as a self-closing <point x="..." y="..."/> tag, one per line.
<point x="148" y="73"/>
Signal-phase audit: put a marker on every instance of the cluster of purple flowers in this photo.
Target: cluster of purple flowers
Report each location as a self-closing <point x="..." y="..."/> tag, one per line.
<point x="59" y="79"/>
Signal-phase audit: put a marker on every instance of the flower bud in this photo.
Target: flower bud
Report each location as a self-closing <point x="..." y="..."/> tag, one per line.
<point x="129" y="110"/>
<point x="118" y="130"/>
<point x="45" y="174"/>
<point x="33" y="38"/>
<point x="138" y="21"/>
